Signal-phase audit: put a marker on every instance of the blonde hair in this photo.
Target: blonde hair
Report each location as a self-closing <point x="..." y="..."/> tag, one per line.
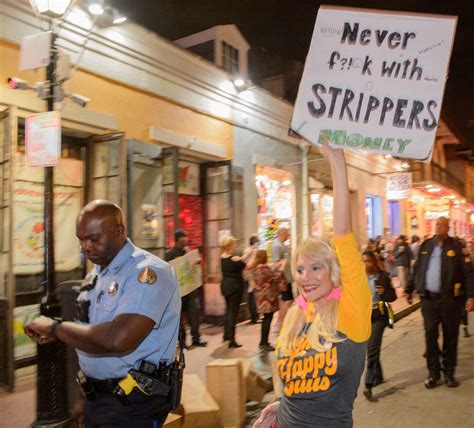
<point x="227" y="242"/>
<point x="323" y="327"/>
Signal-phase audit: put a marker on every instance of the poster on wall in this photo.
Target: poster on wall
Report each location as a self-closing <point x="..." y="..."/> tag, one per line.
<point x="28" y="231"/>
<point x="43" y="139"/>
<point x="188" y="176"/>
<point x="188" y="272"/>
<point x="399" y="185"/>
<point x="374" y="80"/>
<point x="150" y="223"/>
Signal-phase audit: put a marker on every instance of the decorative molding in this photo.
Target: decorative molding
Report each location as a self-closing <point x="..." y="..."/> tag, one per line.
<point x="191" y="143"/>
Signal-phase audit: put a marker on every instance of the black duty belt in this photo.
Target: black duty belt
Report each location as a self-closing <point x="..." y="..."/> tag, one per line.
<point x="105" y="386"/>
<point x="435" y="296"/>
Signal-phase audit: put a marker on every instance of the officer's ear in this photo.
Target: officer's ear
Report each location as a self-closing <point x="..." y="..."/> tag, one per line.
<point x="120" y="230"/>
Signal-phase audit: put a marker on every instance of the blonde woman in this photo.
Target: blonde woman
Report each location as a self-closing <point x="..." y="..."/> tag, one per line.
<point x="232" y="285"/>
<point x="322" y="345"/>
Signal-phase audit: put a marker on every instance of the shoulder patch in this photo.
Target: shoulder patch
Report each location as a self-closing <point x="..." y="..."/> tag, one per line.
<point x="147" y="276"/>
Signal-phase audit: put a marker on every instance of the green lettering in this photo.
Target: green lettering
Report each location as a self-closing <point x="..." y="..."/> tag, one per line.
<point x="324" y="133"/>
<point x="354" y="140"/>
<point x="339" y="137"/>
<point x="372" y="143"/>
<point x="387" y="145"/>
<point x="402" y="145"/>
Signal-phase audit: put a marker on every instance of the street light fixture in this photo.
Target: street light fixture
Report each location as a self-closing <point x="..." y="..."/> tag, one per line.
<point x="51" y="8"/>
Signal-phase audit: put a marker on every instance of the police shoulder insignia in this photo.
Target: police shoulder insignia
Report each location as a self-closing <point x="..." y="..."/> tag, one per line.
<point x="451" y="253"/>
<point x="147" y="276"/>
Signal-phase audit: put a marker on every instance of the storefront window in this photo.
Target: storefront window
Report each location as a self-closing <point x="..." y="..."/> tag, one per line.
<point x="275" y="190"/>
<point x="321" y="215"/>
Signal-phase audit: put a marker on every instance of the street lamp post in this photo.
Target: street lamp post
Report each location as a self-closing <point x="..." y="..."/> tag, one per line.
<point x="51" y="400"/>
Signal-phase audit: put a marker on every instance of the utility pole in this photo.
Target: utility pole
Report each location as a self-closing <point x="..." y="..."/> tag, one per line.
<point x="52" y="383"/>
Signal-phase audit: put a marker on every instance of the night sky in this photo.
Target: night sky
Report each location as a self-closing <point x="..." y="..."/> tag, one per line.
<point x="285" y="27"/>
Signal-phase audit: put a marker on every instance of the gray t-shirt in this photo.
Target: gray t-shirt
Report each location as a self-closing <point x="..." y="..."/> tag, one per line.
<point x="281" y="252"/>
<point x="320" y="387"/>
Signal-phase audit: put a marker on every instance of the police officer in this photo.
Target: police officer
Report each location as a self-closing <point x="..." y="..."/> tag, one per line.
<point x="442" y="275"/>
<point x="130" y="317"/>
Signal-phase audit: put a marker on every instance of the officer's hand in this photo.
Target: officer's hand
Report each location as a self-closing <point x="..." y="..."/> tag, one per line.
<point x="409" y="297"/>
<point x="39" y="329"/>
<point x="78" y="412"/>
<point x="470" y="304"/>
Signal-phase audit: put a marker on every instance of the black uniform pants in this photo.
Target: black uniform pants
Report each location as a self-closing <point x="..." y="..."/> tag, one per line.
<point x="190" y="305"/>
<point x="373" y="373"/>
<point x="445" y="310"/>
<point x="143" y="411"/>
<point x="232" y="302"/>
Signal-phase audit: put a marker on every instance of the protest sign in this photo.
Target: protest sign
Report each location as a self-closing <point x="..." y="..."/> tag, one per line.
<point x="188" y="272"/>
<point x="374" y="80"/>
<point x="399" y="185"/>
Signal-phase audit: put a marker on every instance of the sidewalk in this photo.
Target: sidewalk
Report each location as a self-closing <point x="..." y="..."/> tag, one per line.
<point x="17" y="409"/>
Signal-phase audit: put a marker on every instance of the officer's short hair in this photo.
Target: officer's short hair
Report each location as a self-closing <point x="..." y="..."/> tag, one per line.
<point x="180" y="233"/>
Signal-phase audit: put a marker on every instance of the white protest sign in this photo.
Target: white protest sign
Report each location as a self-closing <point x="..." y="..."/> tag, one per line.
<point x="374" y="80"/>
<point x="399" y="185"/>
<point x="43" y="138"/>
<point x="188" y="272"/>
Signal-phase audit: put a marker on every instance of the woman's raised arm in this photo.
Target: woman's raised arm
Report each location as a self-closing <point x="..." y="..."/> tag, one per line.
<point x="342" y="206"/>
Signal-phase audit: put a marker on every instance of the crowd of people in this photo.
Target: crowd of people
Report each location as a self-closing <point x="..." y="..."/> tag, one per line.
<point x="130" y="315"/>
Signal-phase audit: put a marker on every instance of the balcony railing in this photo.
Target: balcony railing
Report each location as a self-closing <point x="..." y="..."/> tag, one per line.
<point x="423" y="172"/>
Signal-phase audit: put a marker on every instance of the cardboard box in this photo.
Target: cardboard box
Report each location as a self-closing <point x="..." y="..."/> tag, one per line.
<point x="198" y="408"/>
<point x="256" y="385"/>
<point x="226" y="384"/>
<point x="173" y="421"/>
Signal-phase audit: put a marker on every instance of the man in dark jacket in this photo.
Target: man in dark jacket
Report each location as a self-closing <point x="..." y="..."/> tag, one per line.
<point x="189" y="303"/>
<point x="442" y="275"/>
<point x="403" y="257"/>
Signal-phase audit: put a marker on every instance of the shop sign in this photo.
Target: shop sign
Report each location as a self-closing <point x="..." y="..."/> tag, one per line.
<point x="399" y="185"/>
<point x="188" y="272"/>
<point x="43" y="139"/>
<point x="436" y="208"/>
<point x="374" y="80"/>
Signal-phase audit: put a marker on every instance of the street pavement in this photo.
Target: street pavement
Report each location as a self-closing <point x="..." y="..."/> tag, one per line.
<point x="402" y="401"/>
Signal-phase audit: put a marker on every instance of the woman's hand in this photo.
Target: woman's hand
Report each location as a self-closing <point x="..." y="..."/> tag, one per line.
<point x="330" y="153"/>
<point x="268" y="416"/>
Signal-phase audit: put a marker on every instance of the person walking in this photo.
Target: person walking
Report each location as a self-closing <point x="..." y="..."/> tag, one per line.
<point x="442" y="275"/>
<point x="282" y="259"/>
<point x="403" y="257"/>
<point x="382" y="291"/>
<point x="189" y="303"/>
<point x="232" y="285"/>
<point x="322" y="345"/>
<point x="268" y="284"/>
<point x="128" y="317"/>
<point x="249" y="283"/>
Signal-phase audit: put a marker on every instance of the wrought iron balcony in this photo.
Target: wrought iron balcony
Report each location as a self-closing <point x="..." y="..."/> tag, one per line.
<point x="424" y="173"/>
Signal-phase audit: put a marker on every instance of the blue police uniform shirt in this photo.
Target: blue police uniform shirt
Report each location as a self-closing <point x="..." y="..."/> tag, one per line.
<point x="433" y="273"/>
<point x="135" y="282"/>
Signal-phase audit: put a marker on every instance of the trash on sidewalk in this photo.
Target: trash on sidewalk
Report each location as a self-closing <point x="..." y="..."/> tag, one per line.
<point x="197" y="408"/>
<point x="226" y="384"/>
